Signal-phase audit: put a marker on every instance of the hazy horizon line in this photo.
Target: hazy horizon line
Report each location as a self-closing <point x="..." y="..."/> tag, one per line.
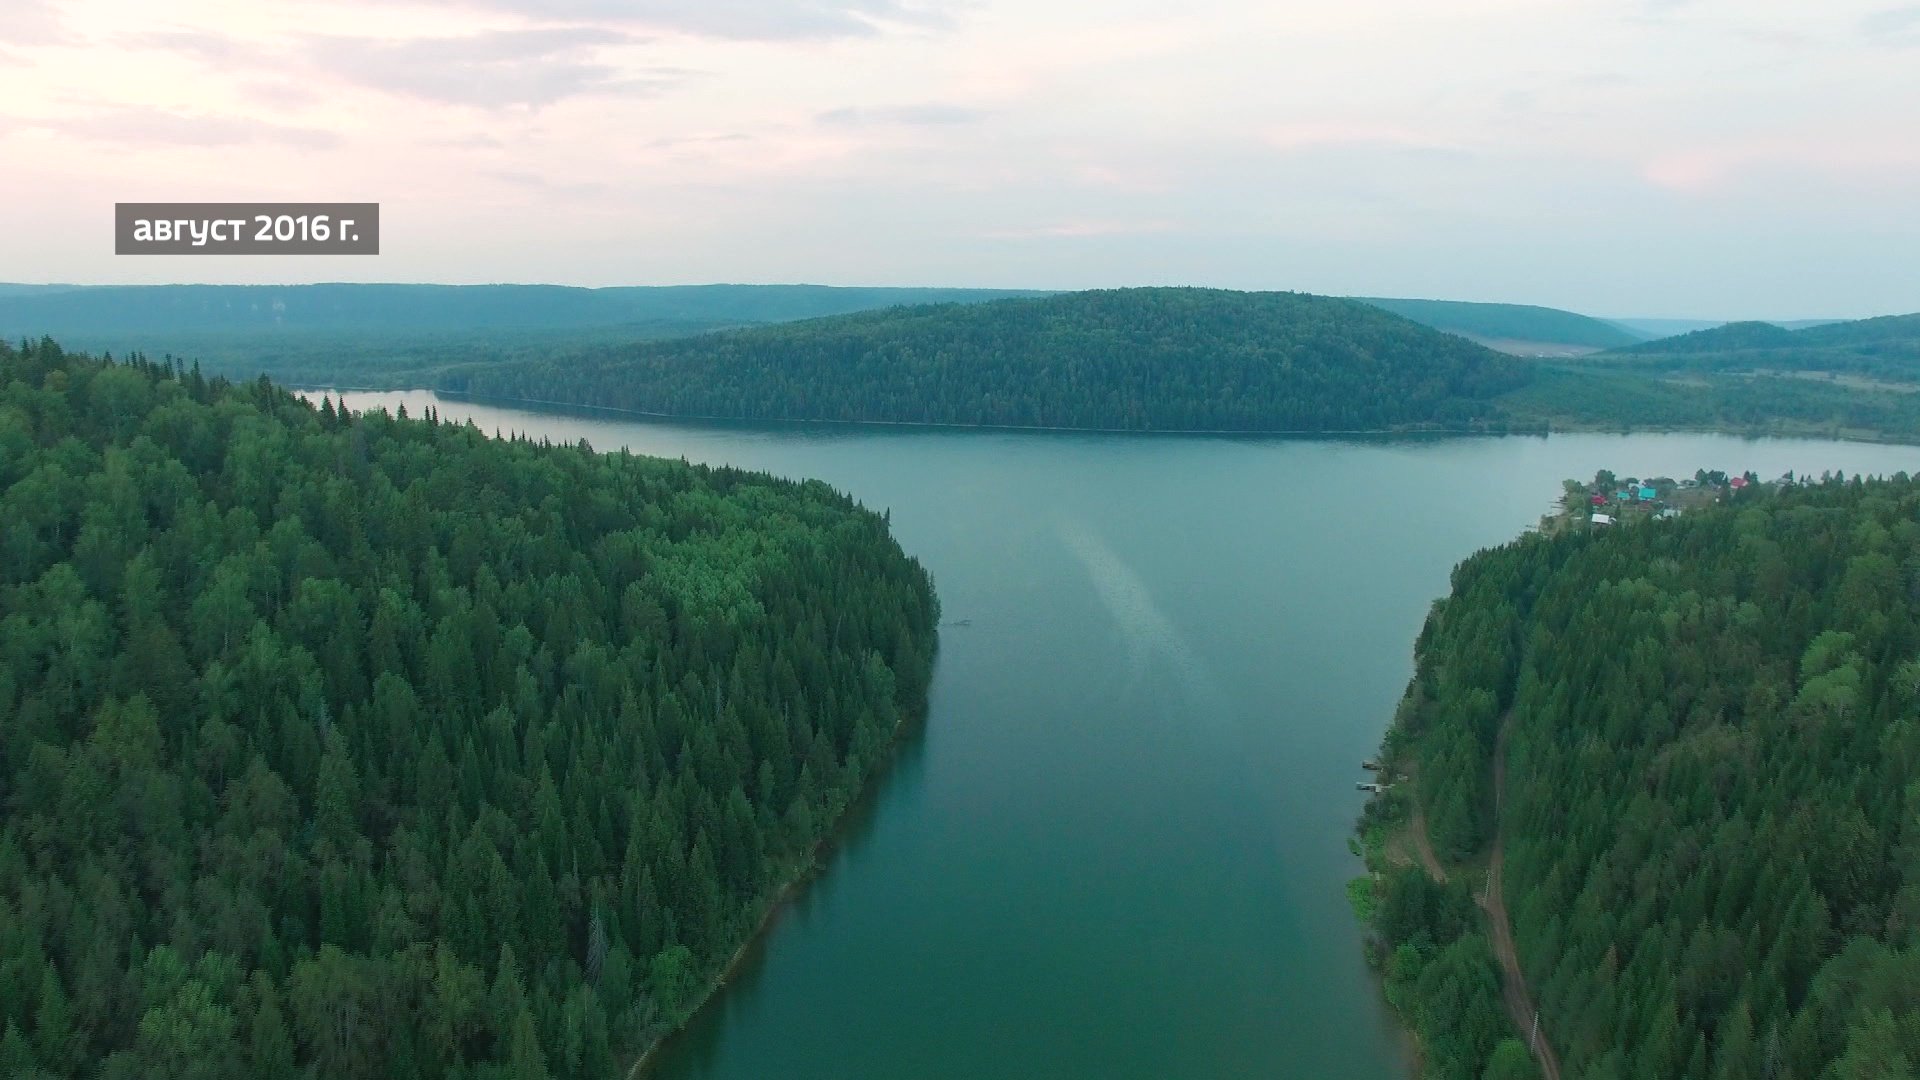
<point x="957" y="288"/>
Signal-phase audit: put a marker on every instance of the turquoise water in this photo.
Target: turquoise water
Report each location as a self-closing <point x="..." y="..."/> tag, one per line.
<point x="1117" y="849"/>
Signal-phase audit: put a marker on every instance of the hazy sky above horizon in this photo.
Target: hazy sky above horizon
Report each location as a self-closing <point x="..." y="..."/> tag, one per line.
<point x="1703" y="158"/>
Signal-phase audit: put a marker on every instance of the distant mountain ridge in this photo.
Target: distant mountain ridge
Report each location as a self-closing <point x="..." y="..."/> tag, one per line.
<point x="151" y="309"/>
<point x="401" y="335"/>
<point x="1654" y="329"/>
<point x="1509" y="323"/>
<point x="1889" y="344"/>
<point x="1857" y="379"/>
<point x="1157" y="359"/>
<point x="233" y="318"/>
<point x="1735" y="335"/>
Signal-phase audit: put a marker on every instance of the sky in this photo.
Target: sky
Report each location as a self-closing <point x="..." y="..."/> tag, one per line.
<point x="1680" y="158"/>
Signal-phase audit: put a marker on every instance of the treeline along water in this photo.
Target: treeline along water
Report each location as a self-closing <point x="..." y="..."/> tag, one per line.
<point x="365" y="746"/>
<point x="1118" y="846"/>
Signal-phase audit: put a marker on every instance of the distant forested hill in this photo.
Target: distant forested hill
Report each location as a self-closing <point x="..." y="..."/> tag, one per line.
<point x="1129" y="359"/>
<point x="362" y="746"/>
<point x="1888" y="345"/>
<point x="398" y="335"/>
<point x="1712" y="788"/>
<point x="1857" y="379"/>
<point x="1653" y="329"/>
<point x="1730" y="336"/>
<point x="1515" y="325"/>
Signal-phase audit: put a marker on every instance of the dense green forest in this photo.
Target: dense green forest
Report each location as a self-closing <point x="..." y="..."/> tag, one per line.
<point x="1711" y="822"/>
<point x="358" y="745"/>
<point x="1429" y="943"/>
<point x="1518" y="323"/>
<point x="1130" y="359"/>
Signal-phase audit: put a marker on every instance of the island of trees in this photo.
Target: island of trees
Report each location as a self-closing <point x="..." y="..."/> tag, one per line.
<point x="1127" y="359"/>
<point x="1689" y="744"/>
<point x="367" y="745"/>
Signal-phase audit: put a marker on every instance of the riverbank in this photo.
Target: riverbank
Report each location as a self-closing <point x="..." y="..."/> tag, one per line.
<point x="939" y="425"/>
<point x="909" y="727"/>
<point x="1114" y="852"/>
<point x="1523" y="426"/>
<point x="1439" y="969"/>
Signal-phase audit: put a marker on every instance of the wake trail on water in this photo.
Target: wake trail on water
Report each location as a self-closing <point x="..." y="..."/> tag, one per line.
<point x="1151" y="636"/>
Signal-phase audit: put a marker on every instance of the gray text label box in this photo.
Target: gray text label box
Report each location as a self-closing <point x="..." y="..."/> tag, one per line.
<point x="246" y="228"/>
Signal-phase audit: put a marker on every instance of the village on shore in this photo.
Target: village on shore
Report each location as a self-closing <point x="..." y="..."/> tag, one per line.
<point x="1608" y="500"/>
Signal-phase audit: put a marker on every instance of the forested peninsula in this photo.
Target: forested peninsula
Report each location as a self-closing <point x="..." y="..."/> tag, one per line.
<point x="1687" y="747"/>
<point x="1125" y="359"/>
<point x="360" y="745"/>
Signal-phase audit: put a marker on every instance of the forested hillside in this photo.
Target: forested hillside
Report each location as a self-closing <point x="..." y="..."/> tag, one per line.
<point x="1886" y="348"/>
<point x="1731" y="336"/>
<point x="1712" y="812"/>
<point x="361" y="746"/>
<point x="1745" y="336"/>
<point x="1846" y="380"/>
<point x="1130" y="359"/>
<point x="1512" y="323"/>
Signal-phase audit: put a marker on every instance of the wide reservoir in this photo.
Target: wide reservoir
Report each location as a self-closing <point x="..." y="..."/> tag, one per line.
<point x="1117" y="849"/>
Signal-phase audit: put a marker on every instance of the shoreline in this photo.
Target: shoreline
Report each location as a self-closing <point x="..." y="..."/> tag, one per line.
<point x="1539" y="430"/>
<point x="813" y="866"/>
<point x="938" y="425"/>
